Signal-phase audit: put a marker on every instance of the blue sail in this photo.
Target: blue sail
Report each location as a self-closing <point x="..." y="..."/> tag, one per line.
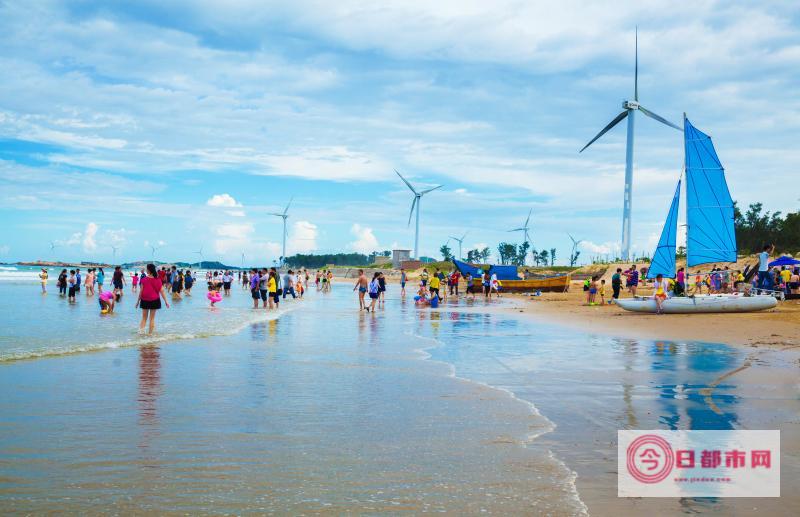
<point x="664" y="258"/>
<point x="709" y="208"/>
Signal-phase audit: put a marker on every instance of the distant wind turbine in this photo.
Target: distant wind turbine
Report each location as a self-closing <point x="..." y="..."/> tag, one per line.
<point x="460" y="242"/>
<point x="284" y="216"/>
<point x="629" y="109"/>
<point x="114" y="253"/>
<point x="153" y="252"/>
<point x="53" y="246"/>
<point x="200" y="254"/>
<point x="575" y="244"/>
<point x="525" y="227"/>
<point x="417" y="201"/>
<point x="243" y="260"/>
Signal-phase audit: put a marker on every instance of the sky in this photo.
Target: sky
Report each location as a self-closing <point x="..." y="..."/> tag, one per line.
<point x="131" y="130"/>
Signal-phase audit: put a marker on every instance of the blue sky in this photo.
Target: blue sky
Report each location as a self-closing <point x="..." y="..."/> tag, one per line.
<point x="185" y="124"/>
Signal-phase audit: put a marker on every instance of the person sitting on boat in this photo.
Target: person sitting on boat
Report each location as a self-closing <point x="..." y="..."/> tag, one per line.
<point x="661" y="292"/>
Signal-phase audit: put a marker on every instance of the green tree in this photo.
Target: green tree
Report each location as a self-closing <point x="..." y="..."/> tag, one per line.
<point x="473" y="256"/>
<point x="552" y="256"/>
<point x="447" y="253"/>
<point x="507" y="252"/>
<point x="573" y="259"/>
<point x="485" y="254"/>
<point x="543" y="256"/>
<point x="522" y="254"/>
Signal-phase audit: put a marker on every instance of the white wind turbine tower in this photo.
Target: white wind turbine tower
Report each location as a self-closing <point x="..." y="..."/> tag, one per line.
<point x="199" y="253"/>
<point x="153" y="250"/>
<point x="417" y="201"/>
<point x="284" y="216"/>
<point x="460" y="242"/>
<point x="629" y="109"/>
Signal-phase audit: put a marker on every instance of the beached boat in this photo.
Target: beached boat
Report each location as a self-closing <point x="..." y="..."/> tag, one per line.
<point x="511" y="283"/>
<point x="710" y="234"/>
<point x="700" y="303"/>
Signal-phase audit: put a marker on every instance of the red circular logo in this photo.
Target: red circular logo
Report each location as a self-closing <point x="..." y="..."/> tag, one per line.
<point x="650" y="458"/>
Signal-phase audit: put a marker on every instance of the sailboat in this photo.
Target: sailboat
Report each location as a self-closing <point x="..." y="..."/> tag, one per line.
<point x="710" y="234"/>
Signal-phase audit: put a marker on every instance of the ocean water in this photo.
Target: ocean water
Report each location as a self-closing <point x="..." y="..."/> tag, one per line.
<point x="324" y="409"/>
<point x="37" y="325"/>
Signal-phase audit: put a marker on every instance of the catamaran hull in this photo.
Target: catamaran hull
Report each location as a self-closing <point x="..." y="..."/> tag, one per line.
<point x="701" y="304"/>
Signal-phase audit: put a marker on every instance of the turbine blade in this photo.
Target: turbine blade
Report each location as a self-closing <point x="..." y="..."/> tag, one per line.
<point x="411" y="214"/>
<point x="659" y="118"/>
<point x="529" y="217"/>
<point x="286" y="210"/>
<point x="406" y="182"/>
<point x="636" y="69"/>
<point x="430" y="189"/>
<point x="605" y="129"/>
<point x="276" y="214"/>
<point x="517" y="230"/>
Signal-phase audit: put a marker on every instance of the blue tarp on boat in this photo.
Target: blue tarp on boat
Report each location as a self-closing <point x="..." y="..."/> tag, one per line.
<point x="465" y="268"/>
<point x="504" y="272"/>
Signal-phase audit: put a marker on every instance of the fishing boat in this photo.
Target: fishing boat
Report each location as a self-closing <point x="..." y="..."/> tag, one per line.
<point x="510" y="281"/>
<point x="710" y="234"/>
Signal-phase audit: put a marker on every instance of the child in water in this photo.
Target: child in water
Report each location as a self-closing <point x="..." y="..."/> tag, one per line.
<point x="107" y="301"/>
<point x="213" y="294"/>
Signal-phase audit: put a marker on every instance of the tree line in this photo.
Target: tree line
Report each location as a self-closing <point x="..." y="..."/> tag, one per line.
<point x="319" y="261"/>
<point x="756" y="228"/>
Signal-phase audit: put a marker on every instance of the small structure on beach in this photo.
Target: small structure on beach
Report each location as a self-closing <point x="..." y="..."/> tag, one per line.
<point x="400" y="256"/>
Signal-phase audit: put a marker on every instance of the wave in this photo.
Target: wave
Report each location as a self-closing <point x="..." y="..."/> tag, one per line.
<point x="142" y="339"/>
<point x="7" y="268"/>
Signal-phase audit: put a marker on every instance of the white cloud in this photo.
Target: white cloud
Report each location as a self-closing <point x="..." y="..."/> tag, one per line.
<point x="302" y="238"/>
<point x="236" y="213"/>
<point x="89" y="235"/>
<point x="605" y="248"/>
<point x="365" y="242"/>
<point x="5" y="249"/>
<point x="116" y="237"/>
<point x="223" y="200"/>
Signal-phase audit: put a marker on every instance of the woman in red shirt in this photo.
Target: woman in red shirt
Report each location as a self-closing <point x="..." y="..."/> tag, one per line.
<point x="150" y="289"/>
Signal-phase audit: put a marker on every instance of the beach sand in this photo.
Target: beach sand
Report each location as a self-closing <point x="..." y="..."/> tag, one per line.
<point x="778" y="327"/>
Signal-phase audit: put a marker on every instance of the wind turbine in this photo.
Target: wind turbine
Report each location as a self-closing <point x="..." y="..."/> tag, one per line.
<point x="153" y="254"/>
<point x="629" y="108"/>
<point x="417" y="201"/>
<point x="53" y="246"/>
<point x="574" y="245"/>
<point x="525" y="227"/>
<point x="114" y="251"/>
<point x="284" y="215"/>
<point x="243" y="260"/>
<point x="460" y="242"/>
<point x="200" y="254"/>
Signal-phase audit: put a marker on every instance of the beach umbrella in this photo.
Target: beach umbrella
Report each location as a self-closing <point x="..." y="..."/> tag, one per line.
<point x="785" y="260"/>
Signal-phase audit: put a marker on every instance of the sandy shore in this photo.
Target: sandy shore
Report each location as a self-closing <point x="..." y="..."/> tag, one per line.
<point x="779" y="327"/>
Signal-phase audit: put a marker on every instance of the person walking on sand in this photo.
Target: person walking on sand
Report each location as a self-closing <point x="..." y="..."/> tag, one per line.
<point x="454" y="279"/>
<point x="150" y="296"/>
<point x="402" y="282"/>
<point x="272" y="287"/>
<point x="362" y="283"/>
<point x="487" y="285"/>
<point x="616" y="283"/>
<point x="43" y="280"/>
<point x="382" y="284"/>
<point x="633" y="279"/>
<point x="661" y="292"/>
<point x="764" y="278"/>
<point x="374" y="292"/>
<point x="469" y="281"/>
